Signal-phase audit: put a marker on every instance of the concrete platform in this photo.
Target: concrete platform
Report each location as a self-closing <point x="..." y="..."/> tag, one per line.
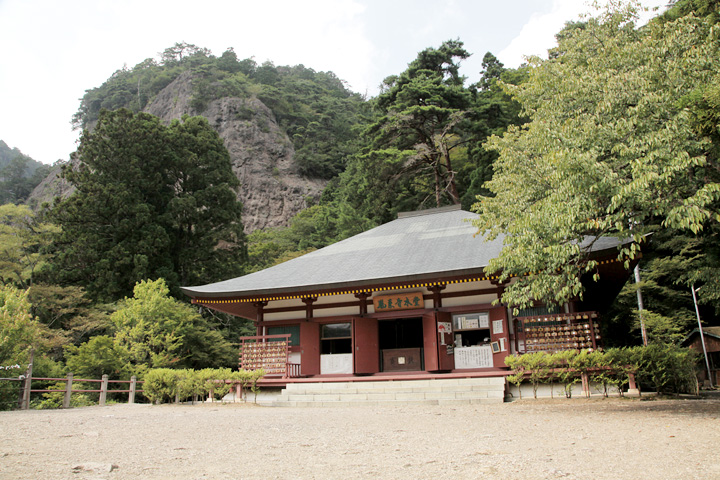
<point x="448" y="391"/>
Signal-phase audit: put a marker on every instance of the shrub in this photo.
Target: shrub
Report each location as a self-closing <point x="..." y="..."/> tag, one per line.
<point x="564" y="372"/>
<point x="52" y="400"/>
<point x="161" y="384"/>
<point x="667" y="368"/>
<point x="164" y="384"/>
<point x="518" y="367"/>
<point x="212" y="382"/>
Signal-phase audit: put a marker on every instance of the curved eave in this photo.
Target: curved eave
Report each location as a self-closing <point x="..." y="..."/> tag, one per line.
<point x="310" y="290"/>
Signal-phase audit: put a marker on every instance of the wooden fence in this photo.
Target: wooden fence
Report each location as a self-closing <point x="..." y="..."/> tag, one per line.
<point x="26" y="388"/>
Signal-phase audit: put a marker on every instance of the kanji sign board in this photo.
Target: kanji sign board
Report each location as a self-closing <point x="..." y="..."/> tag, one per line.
<point x="398" y="301"/>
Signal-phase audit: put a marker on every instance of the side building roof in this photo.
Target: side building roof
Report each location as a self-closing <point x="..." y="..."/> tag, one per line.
<point x="417" y="246"/>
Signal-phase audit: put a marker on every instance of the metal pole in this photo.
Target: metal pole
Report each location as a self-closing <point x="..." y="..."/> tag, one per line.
<point x="702" y="336"/>
<point x="640" y="304"/>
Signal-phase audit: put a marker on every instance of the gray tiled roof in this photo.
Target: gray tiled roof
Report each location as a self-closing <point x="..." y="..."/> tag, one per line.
<point x="416" y="246"/>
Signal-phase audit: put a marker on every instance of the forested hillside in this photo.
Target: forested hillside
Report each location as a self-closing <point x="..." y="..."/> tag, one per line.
<point x="19" y="174"/>
<point x="314" y="109"/>
<point x="194" y="168"/>
<point x="287" y="129"/>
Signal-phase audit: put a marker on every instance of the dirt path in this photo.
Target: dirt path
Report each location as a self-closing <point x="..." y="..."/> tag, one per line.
<point x="577" y="439"/>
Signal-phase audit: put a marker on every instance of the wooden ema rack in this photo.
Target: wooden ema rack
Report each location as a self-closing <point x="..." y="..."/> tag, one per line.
<point x="558" y="332"/>
<point x="267" y="352"/>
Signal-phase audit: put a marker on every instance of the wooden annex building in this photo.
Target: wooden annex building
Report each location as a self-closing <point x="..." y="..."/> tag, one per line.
<point x="711" y="336"/>
<point x="407" y="299"/>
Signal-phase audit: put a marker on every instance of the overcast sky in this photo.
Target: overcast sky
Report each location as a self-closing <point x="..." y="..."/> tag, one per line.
<point x="52" y="51"/>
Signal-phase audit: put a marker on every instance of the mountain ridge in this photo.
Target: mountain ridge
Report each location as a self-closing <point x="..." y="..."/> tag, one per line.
<point x="277" y="182"/>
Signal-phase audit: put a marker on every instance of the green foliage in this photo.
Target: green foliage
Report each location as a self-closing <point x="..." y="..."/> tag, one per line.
<point x="208" y="242"/>
<point x="9" y="391"/>
<point x="671" y="263"/>
<point x="424" y="141"/>
<point x="492" y="112"/>
<point x="158" y="331"/>
<point x="517" y="364"/>
<point x="315" y="109"/>
<point x="54" y="400"/>
<point x="19" y="334"/>
<point x="165" y="385"/>
<point x="97" y="357"/>
<point x="19" y="331"/>
<point x="113" y="225"/>
<point x="317" y="112"/>
<point x="150" y="330"/>
<point x="666" y="368"/>
<point x="24" y="239"/>
<point x="538" y="366"/>
<point x="151" y="202"/>
<point x="70" y="316"/>
<point x="601" y="371"/>
<point x="609" y="151"/>
<point x="212" y="382"/>
<point x="565" y="374"/>
<point x="312" y="228"/>
<point x="135" y="88"/>
<point x="422" y="110"/>
<point x="19" y="174"/>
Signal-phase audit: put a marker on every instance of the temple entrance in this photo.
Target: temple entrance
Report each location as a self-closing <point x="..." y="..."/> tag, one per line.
<point x="401" y="344"/>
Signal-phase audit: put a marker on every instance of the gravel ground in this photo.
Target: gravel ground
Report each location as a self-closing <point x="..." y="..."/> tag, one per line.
<point x="528" y="439"/>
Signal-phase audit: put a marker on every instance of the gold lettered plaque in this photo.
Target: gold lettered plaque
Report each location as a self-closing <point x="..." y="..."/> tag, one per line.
<point x="398" y="301"/>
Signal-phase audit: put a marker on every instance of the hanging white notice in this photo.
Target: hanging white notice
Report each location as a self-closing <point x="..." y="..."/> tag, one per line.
<point x="336" y="363"/>
<point x="474" y="357"/>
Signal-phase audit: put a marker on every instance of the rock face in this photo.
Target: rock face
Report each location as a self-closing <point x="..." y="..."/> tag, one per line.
<point x="271" y="190"/>
<point x="52" y="186"/>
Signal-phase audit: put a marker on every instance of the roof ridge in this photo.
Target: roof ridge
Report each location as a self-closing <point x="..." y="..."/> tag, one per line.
<point x="429" y="211"/>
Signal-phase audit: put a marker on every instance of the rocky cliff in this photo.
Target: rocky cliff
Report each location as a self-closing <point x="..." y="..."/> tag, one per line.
<point x="262" y="155"/>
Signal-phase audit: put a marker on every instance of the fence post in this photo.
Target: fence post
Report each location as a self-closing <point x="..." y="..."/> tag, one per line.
<point x="103" y="390"/>
<point x="68" y="391"/>
<point x="133" y="382"/>
<point x="632" y="385"/>
<point x="21" y="395"/>
<point x="28" y="382"/>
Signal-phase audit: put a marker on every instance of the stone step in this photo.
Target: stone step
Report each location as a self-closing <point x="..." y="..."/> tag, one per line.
<point x="311" y="390"/>
<point x="437" y="385"/>
<point x="425" y="392"/>
<point x="353" y="397"/>
<point x="478" y="401"/>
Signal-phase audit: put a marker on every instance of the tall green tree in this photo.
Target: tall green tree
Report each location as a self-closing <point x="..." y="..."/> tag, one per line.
<point x="422" y="111"/>
<point x="151" y="202"/>
<point x="492" y="112"/>
<point x="205" y="227"/>
<point x="156" y="330"/>
<point x="610" y="150"/>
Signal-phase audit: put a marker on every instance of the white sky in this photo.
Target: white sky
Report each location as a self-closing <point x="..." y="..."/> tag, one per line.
<point x="52" y="51"/>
